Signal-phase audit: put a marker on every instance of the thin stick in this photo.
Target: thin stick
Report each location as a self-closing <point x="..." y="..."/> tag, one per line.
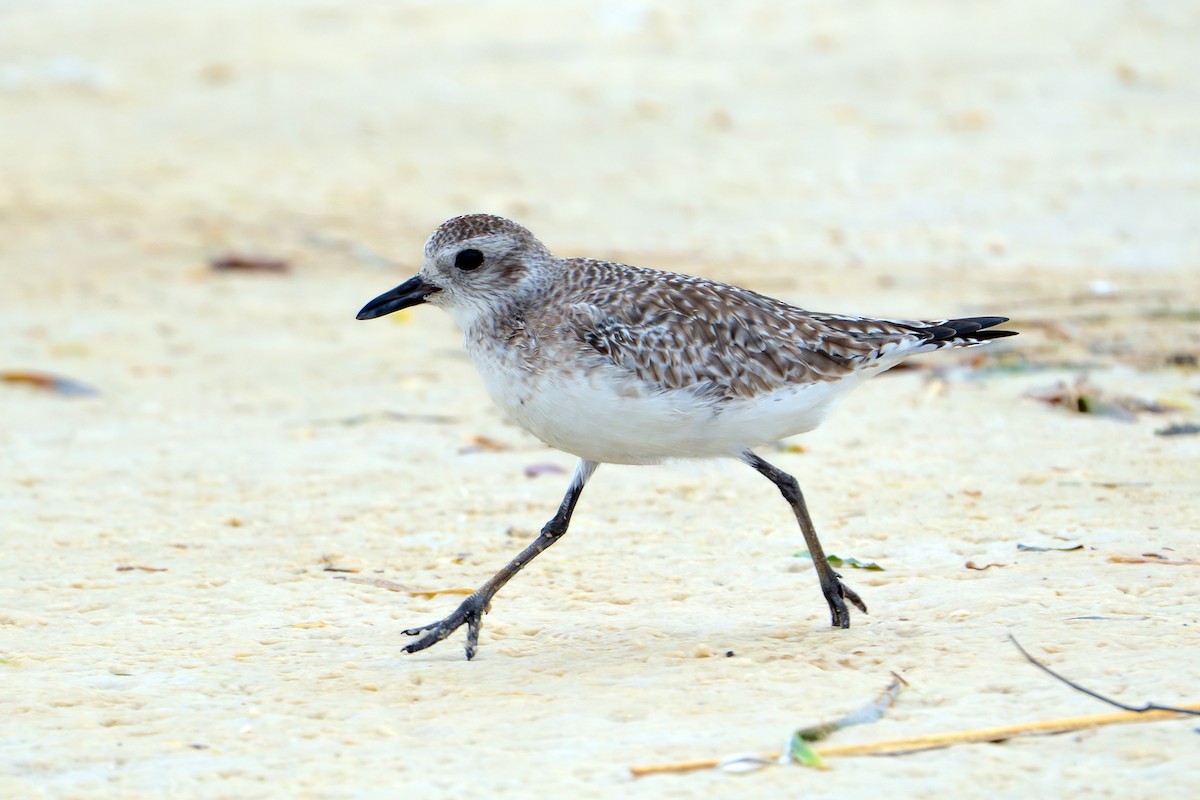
<point x="1135" y="709"/>
<point x="1000" y="733"/>
<point x="1168" y="562"/>
<point x="938" y="740"/>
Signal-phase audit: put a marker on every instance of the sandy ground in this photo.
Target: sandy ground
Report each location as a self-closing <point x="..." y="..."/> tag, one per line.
<point x="168" y="624"/>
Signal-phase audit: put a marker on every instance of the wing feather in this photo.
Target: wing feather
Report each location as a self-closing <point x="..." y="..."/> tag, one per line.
<point x="679" y="332"/>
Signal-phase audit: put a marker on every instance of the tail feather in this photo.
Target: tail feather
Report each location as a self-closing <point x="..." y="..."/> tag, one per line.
<point x="967" y="330"/>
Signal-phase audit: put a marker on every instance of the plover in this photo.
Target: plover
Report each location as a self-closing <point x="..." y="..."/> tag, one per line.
<point x="625" y="365"/>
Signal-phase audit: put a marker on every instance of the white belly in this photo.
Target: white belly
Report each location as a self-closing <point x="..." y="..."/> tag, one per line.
<point x="609" y="416"/>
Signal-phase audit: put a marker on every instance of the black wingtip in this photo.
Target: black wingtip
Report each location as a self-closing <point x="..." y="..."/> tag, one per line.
<point x="968" y="328"/>
<point x="984" y="322"/>
<point x="982" y="335"/>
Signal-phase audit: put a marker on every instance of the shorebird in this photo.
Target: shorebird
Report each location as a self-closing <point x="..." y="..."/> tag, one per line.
<point x="624" y="365"/>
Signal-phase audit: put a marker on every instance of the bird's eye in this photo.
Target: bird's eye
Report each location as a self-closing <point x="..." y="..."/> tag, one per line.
<point x="467" y="260"/>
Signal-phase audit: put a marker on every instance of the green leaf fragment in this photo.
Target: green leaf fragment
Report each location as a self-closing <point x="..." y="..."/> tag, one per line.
<point x="838" y="561"/>
<point x="799" y="749"/>
<point x="801" y="752"/>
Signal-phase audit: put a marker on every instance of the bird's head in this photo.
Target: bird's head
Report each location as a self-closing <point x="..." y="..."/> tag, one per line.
<point x="475" y="265"/>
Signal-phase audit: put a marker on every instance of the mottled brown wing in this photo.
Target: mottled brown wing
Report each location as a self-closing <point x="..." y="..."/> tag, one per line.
<point x="688" y="333"/>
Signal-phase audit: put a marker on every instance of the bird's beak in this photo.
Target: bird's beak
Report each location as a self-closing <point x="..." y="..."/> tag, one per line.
<point x="410" y="293"/>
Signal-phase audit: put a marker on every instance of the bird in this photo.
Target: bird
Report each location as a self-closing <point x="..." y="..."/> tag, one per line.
<point x="617" y="364"/>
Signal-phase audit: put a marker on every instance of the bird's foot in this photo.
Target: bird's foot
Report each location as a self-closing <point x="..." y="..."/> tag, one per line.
<point x="836" y="594"/>
<point x="469" y="613"/>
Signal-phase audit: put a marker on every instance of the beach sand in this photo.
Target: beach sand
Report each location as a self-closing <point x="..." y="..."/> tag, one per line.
<point x="210" y="559"/>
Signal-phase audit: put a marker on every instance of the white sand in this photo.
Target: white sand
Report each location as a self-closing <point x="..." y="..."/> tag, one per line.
<point x="904" y="159"/>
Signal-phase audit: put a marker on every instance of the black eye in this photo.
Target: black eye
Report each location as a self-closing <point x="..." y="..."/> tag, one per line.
<point x="467" y="260"/>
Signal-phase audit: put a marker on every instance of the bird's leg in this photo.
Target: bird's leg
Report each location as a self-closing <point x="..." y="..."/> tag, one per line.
<point x="471" y="611"/>
<point x="836" y="593"/>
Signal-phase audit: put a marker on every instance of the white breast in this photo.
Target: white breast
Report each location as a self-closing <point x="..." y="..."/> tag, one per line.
<point x="607" y="414"/>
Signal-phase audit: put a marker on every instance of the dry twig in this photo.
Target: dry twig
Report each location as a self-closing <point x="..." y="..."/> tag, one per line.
<point x="1194" y="708"/>
<point x="1150" y="712"/>
<point x="895" y="747"/>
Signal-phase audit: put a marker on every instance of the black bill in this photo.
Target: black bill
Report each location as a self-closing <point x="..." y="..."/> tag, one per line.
<point x="410" y="293"/>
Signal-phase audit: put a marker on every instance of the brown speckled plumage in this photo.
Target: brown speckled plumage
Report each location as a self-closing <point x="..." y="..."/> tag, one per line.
<point x="619" y="364"/>
<point x="678" y="332"/>
<point x="681" y="332"/>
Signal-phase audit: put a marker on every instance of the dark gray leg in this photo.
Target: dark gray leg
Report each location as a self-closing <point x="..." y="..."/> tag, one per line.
<point x="471" y="612"/>
<point x="836" y="593"/>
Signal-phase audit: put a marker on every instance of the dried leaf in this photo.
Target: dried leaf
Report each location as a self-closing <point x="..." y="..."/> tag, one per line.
<point x="1187" y="360"/>
<point x="392" y="586"/>
<point x="1179" y="429"/>
<point x="799" y="750"/>
<point x="1170" y="562"/>
<point x="52" y="383"/>
<point x="1085" y="398"/>
<point x="381" y="583"/>
<point x="974" y="566"/>
<point x="397" y="416"/>
<point x="1033" y="549"/>
<point x="331" y="561"/>
<point x="431" y="593"/>
<point x="129" y="568"/>
<point x="534" y="470"/>
<point x="478" y="443"/>
<point x="249" y="262"/>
